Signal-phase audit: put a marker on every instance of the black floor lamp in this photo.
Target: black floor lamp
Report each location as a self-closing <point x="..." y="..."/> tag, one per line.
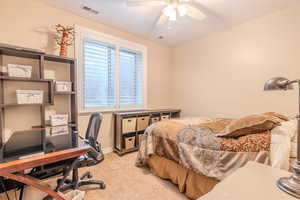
<point x="290" y="184"/>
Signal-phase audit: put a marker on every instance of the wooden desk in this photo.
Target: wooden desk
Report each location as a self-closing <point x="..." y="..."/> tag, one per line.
<point x="252" y="182"/>
<point x="12" y="169"/>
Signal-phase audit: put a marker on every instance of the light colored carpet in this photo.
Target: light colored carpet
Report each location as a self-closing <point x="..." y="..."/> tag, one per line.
<point x="124" y="181"/>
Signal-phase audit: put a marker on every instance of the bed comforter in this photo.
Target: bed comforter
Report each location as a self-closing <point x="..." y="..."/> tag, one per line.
<point x="193" y="144"/>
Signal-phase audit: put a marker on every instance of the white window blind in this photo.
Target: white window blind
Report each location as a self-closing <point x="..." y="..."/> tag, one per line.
<point x="99" y="74"/>
<point x="111" y="72"/>
<point x="131" y="77"/>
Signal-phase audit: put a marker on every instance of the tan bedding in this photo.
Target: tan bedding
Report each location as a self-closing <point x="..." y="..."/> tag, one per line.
<point x="187" y="151"/>
<point x="196" y="147"/>
<point x="192" y="184"/>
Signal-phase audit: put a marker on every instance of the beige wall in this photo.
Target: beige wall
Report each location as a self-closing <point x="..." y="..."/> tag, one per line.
<point x="223" y="74"/>
<point x="28" y="23"/>
<point x="220" y="75"/>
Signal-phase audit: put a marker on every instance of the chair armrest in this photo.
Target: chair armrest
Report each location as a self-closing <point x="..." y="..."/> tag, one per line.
<point x="98" y="156"/>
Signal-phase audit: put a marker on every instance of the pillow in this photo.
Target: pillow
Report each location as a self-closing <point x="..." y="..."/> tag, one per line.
<point x="249" y="125"/>
<point x="277" y="115"/>
<point x="218" y="125"/>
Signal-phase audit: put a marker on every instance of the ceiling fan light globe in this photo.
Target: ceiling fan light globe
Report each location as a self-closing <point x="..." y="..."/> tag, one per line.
<point x="182" y="10"/>
<point x="169" y="11"/>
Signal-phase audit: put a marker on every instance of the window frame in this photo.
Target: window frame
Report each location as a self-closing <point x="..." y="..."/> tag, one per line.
<point x="81" y="34"/>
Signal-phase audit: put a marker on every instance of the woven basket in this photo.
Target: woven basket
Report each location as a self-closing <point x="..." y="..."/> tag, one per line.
<point x="63" y="86"/>
<point x="21" y="71"/>
<point x="59" y="120"/>
<point x="30" y="96"/>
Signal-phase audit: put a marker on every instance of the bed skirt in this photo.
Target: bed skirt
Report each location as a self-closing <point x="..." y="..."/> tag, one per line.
<point x="192" y="184"/>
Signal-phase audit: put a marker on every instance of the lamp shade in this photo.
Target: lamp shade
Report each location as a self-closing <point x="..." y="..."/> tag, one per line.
<point x="278" y="83"/>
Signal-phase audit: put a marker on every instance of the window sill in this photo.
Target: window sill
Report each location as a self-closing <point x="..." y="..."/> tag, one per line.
<point x="111" y="111"/>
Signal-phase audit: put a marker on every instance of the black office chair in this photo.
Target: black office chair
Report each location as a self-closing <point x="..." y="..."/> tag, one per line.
<point x="94" y="157"/>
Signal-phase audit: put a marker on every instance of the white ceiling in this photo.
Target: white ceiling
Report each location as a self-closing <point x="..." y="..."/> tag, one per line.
<point x="141" y="20"/>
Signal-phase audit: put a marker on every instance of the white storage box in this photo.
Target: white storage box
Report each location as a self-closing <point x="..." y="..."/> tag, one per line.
<point x="21" y="71"/>
<point x="59" y="120"/>
<point x="49" y="74"/>
<point x="63" y="86"/>
<point x="30" y="96"/>
<point x="57" y="130"/>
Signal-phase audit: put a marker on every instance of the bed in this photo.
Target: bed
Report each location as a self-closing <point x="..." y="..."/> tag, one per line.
<point x="197" y="153"/>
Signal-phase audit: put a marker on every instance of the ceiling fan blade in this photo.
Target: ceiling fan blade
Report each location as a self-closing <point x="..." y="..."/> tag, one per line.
<point x="206" y="11"/>
<point x="161" y="21"/>
<point x="133" y="3"/>
<point x="195" y="13"/>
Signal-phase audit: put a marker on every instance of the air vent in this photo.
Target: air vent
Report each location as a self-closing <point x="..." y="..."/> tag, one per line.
<point x="89" y="9"/>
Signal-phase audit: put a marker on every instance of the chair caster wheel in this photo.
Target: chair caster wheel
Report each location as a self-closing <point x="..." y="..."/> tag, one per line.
<point x="102" y="186"/>
<point x="68" y="181"/>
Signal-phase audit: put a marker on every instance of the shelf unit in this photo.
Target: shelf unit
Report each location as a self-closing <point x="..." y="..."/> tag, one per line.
<point x="119" y="136"/>
<point x="64" y="93"/>
<point x="41" y="59"/>
<point x="7" y="78"/>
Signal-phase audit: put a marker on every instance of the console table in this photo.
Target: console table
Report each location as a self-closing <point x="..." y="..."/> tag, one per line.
<point x="130" y="125"/>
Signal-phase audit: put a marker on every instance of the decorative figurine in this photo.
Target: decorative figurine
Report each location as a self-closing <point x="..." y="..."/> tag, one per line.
<point x="64" y="38"/>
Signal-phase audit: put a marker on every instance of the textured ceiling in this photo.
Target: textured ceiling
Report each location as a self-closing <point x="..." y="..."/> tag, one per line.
<point x="141" y="20"/>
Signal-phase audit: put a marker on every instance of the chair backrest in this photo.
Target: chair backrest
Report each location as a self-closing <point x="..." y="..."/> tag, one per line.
<point x="92" y="131"/>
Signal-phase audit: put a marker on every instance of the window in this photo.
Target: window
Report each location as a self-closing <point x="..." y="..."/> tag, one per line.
<point x="131" y="78"/>
<point x="111" y="72"/>
<point x="99" y="74"/>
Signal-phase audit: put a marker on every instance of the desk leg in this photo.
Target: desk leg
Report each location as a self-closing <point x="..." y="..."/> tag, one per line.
<point x="28" y="180"/>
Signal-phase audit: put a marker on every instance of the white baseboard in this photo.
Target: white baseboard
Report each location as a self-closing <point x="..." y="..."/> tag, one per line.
<point x="107" y="150"/>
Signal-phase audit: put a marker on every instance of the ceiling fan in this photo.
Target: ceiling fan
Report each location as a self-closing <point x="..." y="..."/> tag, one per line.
<point x="174" y="9"/>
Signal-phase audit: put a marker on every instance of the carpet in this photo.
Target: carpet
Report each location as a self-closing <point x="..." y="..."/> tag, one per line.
<point x="124" y="181"/>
